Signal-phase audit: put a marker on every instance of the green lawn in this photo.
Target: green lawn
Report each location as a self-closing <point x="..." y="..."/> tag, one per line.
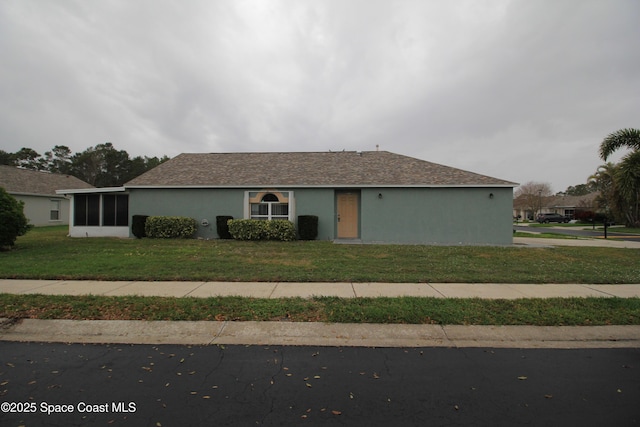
<point x="46" y="253"/>
<point x="543" y="235"/>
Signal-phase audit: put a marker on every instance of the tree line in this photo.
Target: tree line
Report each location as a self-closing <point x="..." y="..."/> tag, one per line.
<point x="100" y="166"/>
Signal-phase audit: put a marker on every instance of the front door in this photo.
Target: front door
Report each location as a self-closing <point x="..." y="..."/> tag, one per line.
<point x="347" y="215"/>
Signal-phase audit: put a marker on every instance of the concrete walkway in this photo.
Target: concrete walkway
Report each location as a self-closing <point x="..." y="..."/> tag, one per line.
<point x="318" y="334"/>
<point x="307" y="290"/>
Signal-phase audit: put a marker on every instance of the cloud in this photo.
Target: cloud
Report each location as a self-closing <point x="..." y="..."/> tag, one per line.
<point x="514" y="89"/>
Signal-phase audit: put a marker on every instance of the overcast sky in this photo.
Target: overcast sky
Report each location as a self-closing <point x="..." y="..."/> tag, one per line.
<point x="519" y="90"/>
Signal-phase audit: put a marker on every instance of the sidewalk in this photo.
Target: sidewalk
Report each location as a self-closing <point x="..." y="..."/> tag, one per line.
<point x="316" y="334"/>
<point x="309" y="289"/>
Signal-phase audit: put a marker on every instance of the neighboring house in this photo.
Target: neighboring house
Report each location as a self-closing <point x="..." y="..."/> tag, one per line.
<point x="560" y="204"/>
<point x="42" y="206"/>
<point x="368" y="197"/>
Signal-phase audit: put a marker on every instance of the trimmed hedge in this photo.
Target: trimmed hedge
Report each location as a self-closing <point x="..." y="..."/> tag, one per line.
<point x="170" y="227"/>
<point x="137" y="225"/>
<point x="255" y="229"/>
<point x="308" y="227"/>
<point x="222" y="227"/>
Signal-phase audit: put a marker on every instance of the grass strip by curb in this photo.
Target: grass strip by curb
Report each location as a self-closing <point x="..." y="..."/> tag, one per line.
<point x="404" y="310"/>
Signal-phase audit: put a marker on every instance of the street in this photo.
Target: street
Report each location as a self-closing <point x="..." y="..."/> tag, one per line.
<point x="171" y="385"/>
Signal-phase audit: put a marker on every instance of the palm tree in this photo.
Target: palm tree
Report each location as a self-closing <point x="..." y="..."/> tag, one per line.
<point x="623" y="138"/>
<point x="626" y="176"/>
<point x="604" y="182"/>
<point x="628" y="185"/>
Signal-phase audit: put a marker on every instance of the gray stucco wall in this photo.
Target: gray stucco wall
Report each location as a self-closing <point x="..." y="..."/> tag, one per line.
<point x="319" y="202"/>
<point x="450" y="216"/>
<point x="197" y="203"/>
<point x="208" y="203"/>
<point x="38" y="209"/>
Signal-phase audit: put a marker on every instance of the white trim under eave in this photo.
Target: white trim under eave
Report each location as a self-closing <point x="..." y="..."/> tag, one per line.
<point x="37" y="195"/>
<point x="513" y="185"/>
<point x="92" y="190"/>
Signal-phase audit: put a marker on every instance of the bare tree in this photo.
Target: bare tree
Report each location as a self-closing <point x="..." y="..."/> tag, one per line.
<point x="531" y="195"/>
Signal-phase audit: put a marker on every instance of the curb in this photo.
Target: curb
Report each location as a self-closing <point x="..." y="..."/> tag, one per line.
<point x="317" y="334"/>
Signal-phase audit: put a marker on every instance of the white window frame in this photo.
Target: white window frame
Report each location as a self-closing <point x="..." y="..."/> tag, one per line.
<point x="54" y="206"/>
<point x="255" y="197"/>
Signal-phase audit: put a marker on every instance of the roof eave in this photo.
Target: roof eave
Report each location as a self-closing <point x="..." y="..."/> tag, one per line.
<point x="22" y="193"/>
<point x="91" y="190"/>
<point x="505" y="185"/>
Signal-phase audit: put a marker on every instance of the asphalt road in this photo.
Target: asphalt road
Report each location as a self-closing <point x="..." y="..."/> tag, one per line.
<point x="143" y="385"/>
<point x="611" y="233"/>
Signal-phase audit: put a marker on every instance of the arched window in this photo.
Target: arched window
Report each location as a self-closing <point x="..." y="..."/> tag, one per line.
<point x="269" y="205"/>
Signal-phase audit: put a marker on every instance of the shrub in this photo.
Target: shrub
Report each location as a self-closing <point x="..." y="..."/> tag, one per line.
<point x="222" y="227"/>
<point x="137" y="225"/>
<point x="308" y="227"/>
<point x="13" y="223"/>
<point x="170" y="227"/>
<point x="255" y="229"/>
<point x="586" y="216"/>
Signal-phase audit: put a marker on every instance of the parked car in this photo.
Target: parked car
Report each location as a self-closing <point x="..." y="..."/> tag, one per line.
<point x="551" y="217"/>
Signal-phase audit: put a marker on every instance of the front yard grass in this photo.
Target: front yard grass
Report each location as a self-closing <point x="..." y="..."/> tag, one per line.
<point x="46" y="253"/>
<point x="405" y="310"/>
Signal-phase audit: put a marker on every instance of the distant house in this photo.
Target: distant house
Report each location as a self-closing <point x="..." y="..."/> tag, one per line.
<point x="42" y="205"/>
<point x="368" y="197"/>
<point x="560" y="204"/>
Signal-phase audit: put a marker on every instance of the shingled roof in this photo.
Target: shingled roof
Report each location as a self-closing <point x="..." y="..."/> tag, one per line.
<point x="320" y="169"/>
<point x="27" y="182"/>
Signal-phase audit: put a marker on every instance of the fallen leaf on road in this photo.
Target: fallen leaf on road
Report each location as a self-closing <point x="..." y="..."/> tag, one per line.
<point x="336" y="412"/>
<point x="522" y="378"/>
